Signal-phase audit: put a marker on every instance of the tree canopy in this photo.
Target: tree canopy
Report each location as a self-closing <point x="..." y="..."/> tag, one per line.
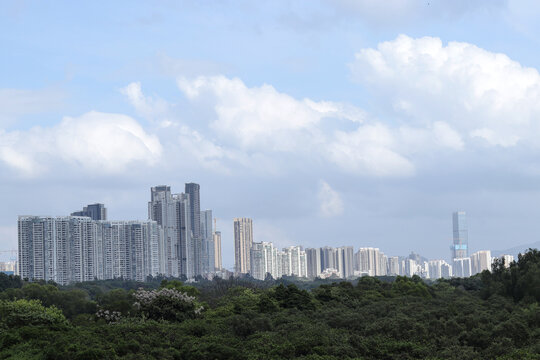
<point x="493" y="315"/>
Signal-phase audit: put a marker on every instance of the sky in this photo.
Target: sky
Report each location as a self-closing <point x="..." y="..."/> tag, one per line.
<point x="333" y="123"/>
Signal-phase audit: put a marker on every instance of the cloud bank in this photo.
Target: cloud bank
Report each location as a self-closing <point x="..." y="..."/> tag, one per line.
<point x="473" y="94"/>
<point x="98" y="142"/>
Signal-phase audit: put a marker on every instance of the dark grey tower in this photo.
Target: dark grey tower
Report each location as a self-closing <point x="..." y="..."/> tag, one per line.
<point x="193" y="190"/>
<point x="93" y="211"/>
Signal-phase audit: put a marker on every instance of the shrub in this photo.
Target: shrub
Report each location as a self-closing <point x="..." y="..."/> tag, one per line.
<point x="29" y="312"/>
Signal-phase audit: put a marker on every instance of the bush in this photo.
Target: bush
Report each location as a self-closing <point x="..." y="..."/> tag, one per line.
<point x="30" y="312"/>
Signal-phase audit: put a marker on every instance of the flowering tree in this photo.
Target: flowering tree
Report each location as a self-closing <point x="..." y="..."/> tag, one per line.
<point x="166" y="304"/>
<point x="109" y="316"/>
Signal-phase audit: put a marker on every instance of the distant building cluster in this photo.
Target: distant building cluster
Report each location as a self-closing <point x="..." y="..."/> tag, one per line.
<point x="180" y="240"/>
<point x="261" y="259"/>
<point x="177" y="240"/>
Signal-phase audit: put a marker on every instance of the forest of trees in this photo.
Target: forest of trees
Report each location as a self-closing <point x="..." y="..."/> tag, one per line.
<point x="493" y="315"/>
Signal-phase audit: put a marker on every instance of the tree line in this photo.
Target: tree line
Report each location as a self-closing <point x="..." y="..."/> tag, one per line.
<point x="492" y="315"/>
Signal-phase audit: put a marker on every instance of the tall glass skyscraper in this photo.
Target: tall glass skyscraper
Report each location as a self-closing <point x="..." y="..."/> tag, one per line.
<point x="460" y="246"/>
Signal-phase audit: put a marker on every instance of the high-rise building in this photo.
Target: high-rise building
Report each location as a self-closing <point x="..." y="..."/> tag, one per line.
<point x="345" y="261"/>
<point x="328" y="258"/>
<point x="285" y="261"/>
<point x="93" y="211"/>
<point x="277" y="258"/>
<point x="460" y="246"/>
<point x="370" y="261"/>
<point x="303" y="264"/>
<point x="270" y="255"/>
<point x="162" y="209"/>
<point x="507" y="259"/>
<point x="73" y="249"/>
<point x="294" y="261"/>
<point x="439" y="269"/>
<point x="217" y="251"/>
<point x="173" y="213"/>
<point x="393" y="266"/>
<point x="313" y="258"/>
<point x="185" y="244"/>
<point x="267" y="259"/>
<point x="257" y="261"/>
<point x="199" y="263"/>
<point x="382" y="266"/>
<point x="480" y="261"/>
<point x="446" y="270"/>
<point x="411" y="267"/>
<point x="461" y="267"/>
<point x="127" y="249"/>
<point x="207" y="239"/>
<point x="195" y="210"/>
<point x="243" y="238"/>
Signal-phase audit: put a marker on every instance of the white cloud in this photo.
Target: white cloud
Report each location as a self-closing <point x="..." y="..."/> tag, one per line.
<point x="182" y="141"/>
<point x="262" y="117"/>
<point x="460" y="91"/>
<point x="146" y="106"/>
<point x="263" y="120"/>
<point x="95" y="141"/>
<point x="369" y="150"/>
<point x="330" y="202"/>
<point x="206" y="153"/>
<point x="438" y="135"/>
<point x="445" y="136"/>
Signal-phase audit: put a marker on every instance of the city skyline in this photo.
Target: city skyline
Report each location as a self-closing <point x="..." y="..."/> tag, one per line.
<point x="243" y="227"/>
<point x="182" y="253"/>
<point x="78" y="248"/>
<point x="181" y="241"/>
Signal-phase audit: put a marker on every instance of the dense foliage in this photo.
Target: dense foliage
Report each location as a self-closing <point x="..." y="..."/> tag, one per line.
<point x="494" y="315"/>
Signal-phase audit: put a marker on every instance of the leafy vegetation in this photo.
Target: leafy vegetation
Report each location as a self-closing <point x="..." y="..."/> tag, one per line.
<point x="493" y="315"/>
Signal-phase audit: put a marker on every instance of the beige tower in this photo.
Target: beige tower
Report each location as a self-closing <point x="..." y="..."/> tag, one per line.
<point x="217" y="248"/>
<point x="243" y="238"/>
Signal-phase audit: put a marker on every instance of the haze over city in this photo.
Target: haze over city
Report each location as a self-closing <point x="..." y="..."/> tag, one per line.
<point x="341" y="123"/>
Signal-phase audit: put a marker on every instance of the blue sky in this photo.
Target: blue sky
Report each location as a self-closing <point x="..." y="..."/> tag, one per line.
<point x="327" y="122"/>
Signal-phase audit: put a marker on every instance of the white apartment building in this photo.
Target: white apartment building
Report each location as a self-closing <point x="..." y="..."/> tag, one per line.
<point x="462" y="267"/>
<point x="480" y="261"/>
<point x="439" y="269"/>
<point x="73" y="249"/>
